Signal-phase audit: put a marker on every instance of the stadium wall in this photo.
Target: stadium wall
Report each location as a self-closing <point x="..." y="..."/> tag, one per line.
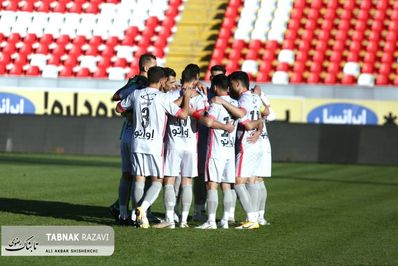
<point x="291" y="142"/>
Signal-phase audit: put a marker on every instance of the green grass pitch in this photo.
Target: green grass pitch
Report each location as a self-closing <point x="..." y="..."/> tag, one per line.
<point x="320" y="214"/>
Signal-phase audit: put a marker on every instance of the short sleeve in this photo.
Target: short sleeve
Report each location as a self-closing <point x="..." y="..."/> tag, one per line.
<point x="169" y="106"/>
<point x="214" y="110"/>
<point x="127" y="103"/>
<point x="244" y="103"/>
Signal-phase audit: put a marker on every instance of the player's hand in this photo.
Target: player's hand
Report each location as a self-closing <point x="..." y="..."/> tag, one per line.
<point x="188" y="92"/>
<point x="217" y="99"/>
<point x="254" y="137"/>
<point x="119" y="109"/>
<point x="257" y="90"/>
<point x="230" y="126"/>
<point x="202" y="87"/>
<point x="188" y="85"/>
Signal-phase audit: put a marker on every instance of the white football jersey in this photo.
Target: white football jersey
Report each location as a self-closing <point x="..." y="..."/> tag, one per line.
<point x="221" y="144"/>
<point x="150" y="119"/>
<point x="252" y="104"/>
<point x="182" y="134"/>
<point x="266" y="102"/>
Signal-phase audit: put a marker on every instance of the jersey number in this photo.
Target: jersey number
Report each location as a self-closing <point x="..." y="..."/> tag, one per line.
<point x="145" y="117"/>
<point x="255" y="113"/>
<point x="181" y="122"/>
<point x="225" y="133"/>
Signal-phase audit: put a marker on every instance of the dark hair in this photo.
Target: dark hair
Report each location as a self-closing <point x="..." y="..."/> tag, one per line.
<point x="188" y="75"/>
<point x="221" y="81"/>
<point x="144" y="59"/>
<point x="169" y="72"/>
<point x="194" y="68"/>
<point x="155" y="74"/>
<point x="218" y="68"/>
<point x="240" y="76"/>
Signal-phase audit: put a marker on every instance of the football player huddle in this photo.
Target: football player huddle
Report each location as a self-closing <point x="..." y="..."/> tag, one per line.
<point x="177" y="137"/>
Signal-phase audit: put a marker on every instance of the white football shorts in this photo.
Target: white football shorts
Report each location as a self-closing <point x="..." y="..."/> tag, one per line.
<point x="147" y="165"/>
<point x="265" y="157"/>
<point x="220" y="170"/>
<point x="248" y="160"/>
<point x="180" y="162"/>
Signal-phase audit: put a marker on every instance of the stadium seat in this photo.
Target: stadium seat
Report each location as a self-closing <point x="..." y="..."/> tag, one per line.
<point x="50" y="71"/>
<point x="366" y="79"/>
<point x="333" y="38"/>
<point x="58" y="30"/>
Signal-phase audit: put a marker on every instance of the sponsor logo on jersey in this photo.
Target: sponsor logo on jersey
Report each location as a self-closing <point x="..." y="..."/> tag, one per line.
<point x="342" y="113"/>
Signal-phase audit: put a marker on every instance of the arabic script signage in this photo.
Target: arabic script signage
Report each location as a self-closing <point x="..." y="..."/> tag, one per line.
<point x="342" y="113"/>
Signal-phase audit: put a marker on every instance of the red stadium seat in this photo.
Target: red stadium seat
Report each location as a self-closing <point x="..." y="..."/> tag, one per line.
<point x="63" y="39"/>
<point x="334" y="67"/>
<point x="330" y="79"/>
<point x="66" y="72"/>
<point x="33" y="71"/>
<point x="313" y="78"/>
<point x="14" y="38"/>
<point x="299" y="67"/>
<point x="83" y="73"/>
<point x="25" y="49"/>
<point x="382" y="80"/>
<point x="296" y="78"/>
<point x="348" y="80"/>
<point x="16" y="70"/>
<point x="54" y="60"/>
<point x="368" y="68"/>
<point x="385" y="69"/>
<point x="262" y="77"/>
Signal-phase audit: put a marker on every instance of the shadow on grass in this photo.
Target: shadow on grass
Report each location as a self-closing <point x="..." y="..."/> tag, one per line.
<point x="56" y="161"/>
<point x="354" y="182"/>
<point x="59" y="210"/>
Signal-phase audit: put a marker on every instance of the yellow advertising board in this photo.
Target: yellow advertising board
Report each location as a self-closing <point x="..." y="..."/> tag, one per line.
<point x="98" y="103"/>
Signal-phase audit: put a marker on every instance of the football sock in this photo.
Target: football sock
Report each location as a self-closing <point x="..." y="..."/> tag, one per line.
<point x="245" y="199"/>
<point x="253" y="192"/>
<point x="262" y="198"/>
<point x="124" y="187"/>
<point x="151" y="195"/>
<point x="177" y="185"/>
<point x="169" y="202"/>
<point x="212" y="203"/>
<point x="138" y="192"/>
<point x="233" y="204"/>
<point x="227" y="203"/>
<point x="186" y="202"/>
